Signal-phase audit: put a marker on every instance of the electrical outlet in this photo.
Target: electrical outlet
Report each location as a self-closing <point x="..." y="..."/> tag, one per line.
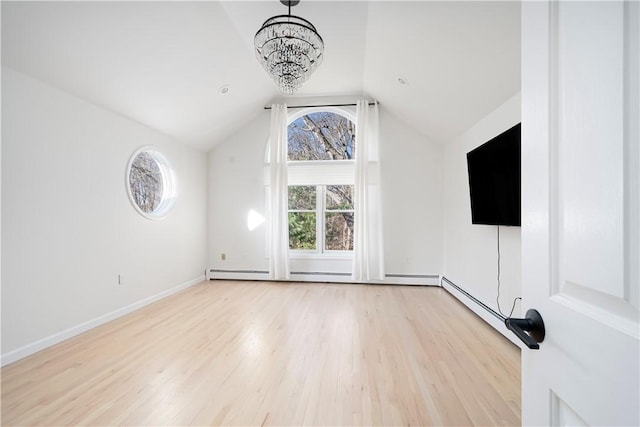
<point x="223" y="257"/>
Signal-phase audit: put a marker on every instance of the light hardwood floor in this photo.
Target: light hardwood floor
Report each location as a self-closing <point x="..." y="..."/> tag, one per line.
<point x="255" y="353"/>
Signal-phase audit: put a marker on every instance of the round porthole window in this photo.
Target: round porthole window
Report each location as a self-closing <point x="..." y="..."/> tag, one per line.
<point x="151" y="183"/>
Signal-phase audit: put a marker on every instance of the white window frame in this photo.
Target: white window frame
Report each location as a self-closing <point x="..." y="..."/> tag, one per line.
<point x="321" y="232"/>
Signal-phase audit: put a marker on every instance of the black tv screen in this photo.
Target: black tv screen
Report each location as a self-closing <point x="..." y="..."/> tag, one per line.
<point x="494" y="180"/>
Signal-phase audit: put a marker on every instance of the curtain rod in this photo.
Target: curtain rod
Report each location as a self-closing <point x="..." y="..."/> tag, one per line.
<point x="268" y="107"/>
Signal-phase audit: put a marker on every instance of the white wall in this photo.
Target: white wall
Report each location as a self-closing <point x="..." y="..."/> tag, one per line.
<point x="236" y="186"/>
<point x="412" y="205"/>
<point x="68" y="228"/>
<point x="470" y="251"/>
<point x="411" y="169"/>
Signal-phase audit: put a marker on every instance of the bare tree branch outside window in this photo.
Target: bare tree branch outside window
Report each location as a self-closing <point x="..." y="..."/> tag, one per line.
<point x="145" y="181"/>
<point x="322" y="136"/>
<point x="339" y="218"/>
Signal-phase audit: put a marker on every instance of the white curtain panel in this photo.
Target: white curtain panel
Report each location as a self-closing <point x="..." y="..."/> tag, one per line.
<point x="279" y="229"/>
<point x="368" y="247"/>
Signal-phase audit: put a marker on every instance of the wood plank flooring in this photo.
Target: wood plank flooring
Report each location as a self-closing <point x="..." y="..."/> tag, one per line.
<point x="256" y="353"/>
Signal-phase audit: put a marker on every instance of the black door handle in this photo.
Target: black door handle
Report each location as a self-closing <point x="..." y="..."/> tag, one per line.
<point x="532" y="323"/>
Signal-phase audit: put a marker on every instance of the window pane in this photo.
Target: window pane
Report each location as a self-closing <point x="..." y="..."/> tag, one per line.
<point x="339" y="231"/>
<point x="302" y="230"/>
<point x="340" y="197"/>
<point x="302" y="198"/>
<point x="321" y="136"/>
<point x="145" y="182"/>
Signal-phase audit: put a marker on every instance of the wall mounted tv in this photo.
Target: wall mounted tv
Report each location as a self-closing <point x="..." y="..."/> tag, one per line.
<point x="494" y="180"/>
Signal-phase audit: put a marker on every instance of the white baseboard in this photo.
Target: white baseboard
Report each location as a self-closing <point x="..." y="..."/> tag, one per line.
<point x="51" y="340"/>
<point x="391" y="279"/>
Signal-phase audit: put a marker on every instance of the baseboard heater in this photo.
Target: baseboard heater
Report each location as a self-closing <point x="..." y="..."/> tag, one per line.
<point x="217" y="270"/>
<point x="474" y="299"/>
<point x="257" y="273"/>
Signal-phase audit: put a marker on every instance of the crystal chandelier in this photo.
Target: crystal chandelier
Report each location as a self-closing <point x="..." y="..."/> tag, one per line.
<point x="289" y="48"/>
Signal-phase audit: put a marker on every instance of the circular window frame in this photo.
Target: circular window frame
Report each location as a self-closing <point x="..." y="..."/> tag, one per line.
<point x="169" y="184"/>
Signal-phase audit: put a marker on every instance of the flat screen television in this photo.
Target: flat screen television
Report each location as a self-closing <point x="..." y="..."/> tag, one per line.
<point x="494" y="180"/>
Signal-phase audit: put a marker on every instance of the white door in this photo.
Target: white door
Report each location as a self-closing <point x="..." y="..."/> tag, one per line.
<point x="580" y="204"/>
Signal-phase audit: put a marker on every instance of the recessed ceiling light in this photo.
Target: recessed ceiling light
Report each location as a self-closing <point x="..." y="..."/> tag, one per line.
<point x="403" y="80"/>
<point x="224" y="89"/>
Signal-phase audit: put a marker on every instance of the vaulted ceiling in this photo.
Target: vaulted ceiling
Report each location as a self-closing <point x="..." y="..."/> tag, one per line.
<point x="163" y="63"/>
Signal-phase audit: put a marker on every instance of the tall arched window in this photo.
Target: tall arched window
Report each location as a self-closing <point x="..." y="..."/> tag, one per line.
<point x="321" y="152"/>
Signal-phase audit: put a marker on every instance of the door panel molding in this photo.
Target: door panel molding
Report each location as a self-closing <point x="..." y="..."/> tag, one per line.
<point x="614" y="312"/>
<point x="562" y="414"/>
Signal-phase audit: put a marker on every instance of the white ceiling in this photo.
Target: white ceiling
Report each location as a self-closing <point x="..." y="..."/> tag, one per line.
<point x="163" y="63"/>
